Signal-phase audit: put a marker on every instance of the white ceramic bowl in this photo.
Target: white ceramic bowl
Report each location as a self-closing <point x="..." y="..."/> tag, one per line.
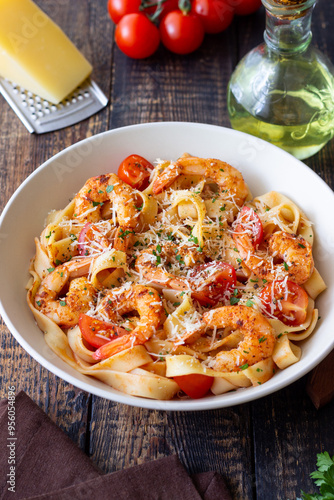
<point x="264" y="167"/>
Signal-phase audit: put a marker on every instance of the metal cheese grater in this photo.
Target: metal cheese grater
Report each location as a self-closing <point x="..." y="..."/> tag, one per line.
<point x="41" y="116"/>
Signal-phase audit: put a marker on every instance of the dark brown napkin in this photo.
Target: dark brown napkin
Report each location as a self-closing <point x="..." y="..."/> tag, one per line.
<point x="50" y="466"/>
<point x="45" y="458"/>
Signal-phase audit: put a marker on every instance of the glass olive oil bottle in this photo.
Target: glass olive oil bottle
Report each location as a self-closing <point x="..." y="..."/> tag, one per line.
<point x="283" y="90"/>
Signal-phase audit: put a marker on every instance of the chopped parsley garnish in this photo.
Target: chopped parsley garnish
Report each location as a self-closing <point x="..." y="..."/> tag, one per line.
<point x="110" y="188"/>
<point x="243" y="367"/>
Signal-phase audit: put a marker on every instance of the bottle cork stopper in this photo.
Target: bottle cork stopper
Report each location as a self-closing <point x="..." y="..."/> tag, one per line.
<point x="289" y="9"/>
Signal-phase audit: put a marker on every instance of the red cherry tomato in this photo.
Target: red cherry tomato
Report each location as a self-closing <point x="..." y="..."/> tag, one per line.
<point x="137" y="36"/>
<point x="216" y="15"/>
<point x="287" y="301"/>
<point x="166" y="7"/>
<point x="119" y="8"/>
<point x="221" y="280"/>
<point x="181" y="33"/>
<point x="248" y="226"/>
<point x="91" y="328"/>
<point x="194" y="385"/>
<point x="135" y="171"/>
<point x="245" y="7"/>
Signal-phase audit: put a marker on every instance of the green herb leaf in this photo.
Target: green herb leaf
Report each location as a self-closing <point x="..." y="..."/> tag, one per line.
<point x="324" y="478"/>
<point x="109" y="188"/>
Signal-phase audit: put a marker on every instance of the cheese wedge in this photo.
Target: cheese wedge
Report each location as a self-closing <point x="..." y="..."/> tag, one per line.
<point x="36" y="54"/>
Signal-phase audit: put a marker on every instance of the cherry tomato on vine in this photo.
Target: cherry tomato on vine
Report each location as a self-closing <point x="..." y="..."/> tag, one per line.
<point x="166" y="6"/>
<point x="137" y="36"/>
<point x="119" y="8"/>
<point x="180" y="32"/>
<point x="287" y="301"/>
<point x="135" y="171"/>
<point x="194" y="385"/>
<point x="216" y="15"/>
<point x="245" y="7"/>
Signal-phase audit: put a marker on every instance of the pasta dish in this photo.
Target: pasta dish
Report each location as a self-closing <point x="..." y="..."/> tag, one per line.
<point x="172" y="281"/>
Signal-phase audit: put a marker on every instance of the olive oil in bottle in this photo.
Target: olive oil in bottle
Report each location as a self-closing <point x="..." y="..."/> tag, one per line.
<point x="283" y="90"/>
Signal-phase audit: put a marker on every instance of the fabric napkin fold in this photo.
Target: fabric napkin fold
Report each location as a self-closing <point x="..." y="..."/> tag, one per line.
<point x="48" y="465"/>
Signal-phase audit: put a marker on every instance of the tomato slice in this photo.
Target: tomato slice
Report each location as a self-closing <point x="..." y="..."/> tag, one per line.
<point x="91" y="328"/>
<point x="219" y="278"/>
<point x="135" y="171"/>
<point x="194" y="385"/>
<point x="248" y="225"/>
<point x="287" y="301"/>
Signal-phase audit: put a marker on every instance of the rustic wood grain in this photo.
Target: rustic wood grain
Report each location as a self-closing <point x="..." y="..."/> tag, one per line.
<point x="265" y="449"/>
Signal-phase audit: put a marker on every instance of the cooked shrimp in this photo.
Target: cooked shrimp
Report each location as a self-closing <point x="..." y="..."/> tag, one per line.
<point x="208" y="283"/>
<point x="143" y="299"/>
<point x="294" y="250"/>
<point x="228" y="178"/>
<point x="65" y="311"/>
<point x="150" y="264"/>
<point x="258" y="339"/>
<point x="104" y="188"/>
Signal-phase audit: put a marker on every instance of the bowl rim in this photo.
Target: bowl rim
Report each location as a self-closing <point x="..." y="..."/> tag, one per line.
<point x="240" y="396"/>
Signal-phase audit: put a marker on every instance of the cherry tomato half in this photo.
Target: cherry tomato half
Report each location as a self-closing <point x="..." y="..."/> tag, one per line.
<point x="245" y="7"/>
<point x="287" y="301"/>
<point x="220" y="279"/>
<point x="181" y="33"/>
<point x="137" y="36"/>
<point x="91" y="327"/>
<point x="194" y="385"/>
<point x="216" y="15"/>
<point x="119" y="8"/>
<point x="248" y="226"/>
<point x="135" y="171"/>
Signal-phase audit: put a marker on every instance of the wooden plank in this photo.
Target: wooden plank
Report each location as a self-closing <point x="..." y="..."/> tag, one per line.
<point x="167" y="87"/>
<point x="288" y="433"/>
<point x="21" y="153"/>
<point x="123" y="437"/>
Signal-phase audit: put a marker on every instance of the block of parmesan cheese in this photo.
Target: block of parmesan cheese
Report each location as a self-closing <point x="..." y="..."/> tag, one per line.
<point x="36" y="54"/>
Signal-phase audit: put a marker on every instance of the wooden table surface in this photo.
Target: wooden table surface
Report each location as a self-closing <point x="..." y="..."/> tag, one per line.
<point x="265" y="449"/>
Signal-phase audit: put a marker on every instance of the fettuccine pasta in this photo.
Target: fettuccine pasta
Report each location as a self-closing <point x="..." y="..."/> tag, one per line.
<point x="183" y="286"/>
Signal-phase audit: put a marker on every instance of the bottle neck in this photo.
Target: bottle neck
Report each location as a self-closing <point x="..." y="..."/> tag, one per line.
<point x="288" y="28"/>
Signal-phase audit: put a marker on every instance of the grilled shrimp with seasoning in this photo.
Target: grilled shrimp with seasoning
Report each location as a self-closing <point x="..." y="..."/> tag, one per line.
<point x="207" y="282"/>
<point x="294" y="250"/>
<point x="258" y="338"/>
<point x="81" y="293"/>
<point x="148" y="304"/>
<point x="229" y="179"/>
<point x="109" y="188"/>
